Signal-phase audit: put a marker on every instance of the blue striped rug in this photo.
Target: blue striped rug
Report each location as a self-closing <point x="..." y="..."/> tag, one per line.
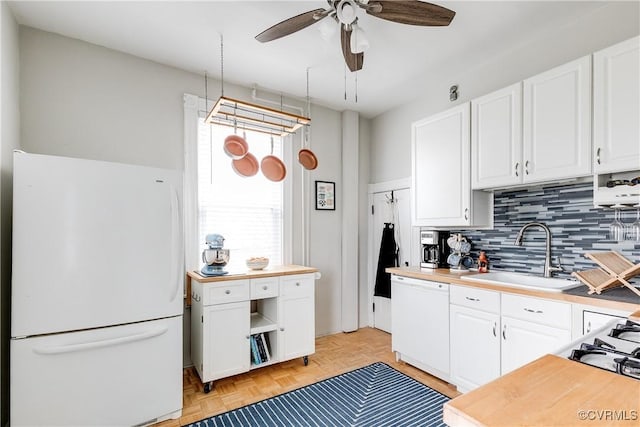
<point x="376" y="395"/>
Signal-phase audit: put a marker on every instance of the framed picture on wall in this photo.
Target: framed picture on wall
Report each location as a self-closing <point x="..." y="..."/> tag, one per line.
<point x="325" y="196"/>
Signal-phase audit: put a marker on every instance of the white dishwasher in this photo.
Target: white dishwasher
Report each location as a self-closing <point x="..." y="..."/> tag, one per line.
<point x="420" y="324"/>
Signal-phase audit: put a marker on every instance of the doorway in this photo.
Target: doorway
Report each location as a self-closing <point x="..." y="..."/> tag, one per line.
<point x="388" y="205"/>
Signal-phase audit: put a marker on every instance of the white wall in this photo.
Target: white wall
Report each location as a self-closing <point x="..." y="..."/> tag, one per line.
<point x="9" y="140"/>
<point x="391" y="133"/>
<point x="83" y="100"/>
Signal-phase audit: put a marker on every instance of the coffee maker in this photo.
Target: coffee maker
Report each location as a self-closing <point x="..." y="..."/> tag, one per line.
<point x="434" y="248"/>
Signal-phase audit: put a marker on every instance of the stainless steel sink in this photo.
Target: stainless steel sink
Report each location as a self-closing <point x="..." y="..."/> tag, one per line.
<point x="523" y="281"/>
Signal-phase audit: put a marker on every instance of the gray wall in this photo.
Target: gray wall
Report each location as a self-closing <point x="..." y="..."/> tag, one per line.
<point x="9" y="140"/>
<point x="391" y="131"/>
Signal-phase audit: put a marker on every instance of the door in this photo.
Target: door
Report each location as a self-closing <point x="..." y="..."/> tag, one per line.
<point x="496" y="138"/>
<point x="94" y="244"/>
<point x="122" y="375"/>
<point x="296" y="317"/>
<point x="616" y="107"/>
<point x="389" y="206"/>
<point x="475" y="342"/>
<point x="523" y="342"/>
<point x="225" y="340"/>
<point x="440" y="169"/>
<point x="557" y="123"/>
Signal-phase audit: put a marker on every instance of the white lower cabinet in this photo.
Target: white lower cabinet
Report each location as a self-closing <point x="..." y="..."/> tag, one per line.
<point x="475" y="347"/>
<point x="225" y="314"/>
<point x="493" y="333"/>
<point x="296" y="314"/>
<point x="532" y="327"/>
<point x="420" y="324"/>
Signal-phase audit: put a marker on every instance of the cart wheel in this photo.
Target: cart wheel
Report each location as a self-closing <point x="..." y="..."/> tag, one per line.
<point x="305" y="359"/>
<point x="207" y="387"/>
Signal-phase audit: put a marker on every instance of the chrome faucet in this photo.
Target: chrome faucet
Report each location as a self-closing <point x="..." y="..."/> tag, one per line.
<point x="548" y="269"/>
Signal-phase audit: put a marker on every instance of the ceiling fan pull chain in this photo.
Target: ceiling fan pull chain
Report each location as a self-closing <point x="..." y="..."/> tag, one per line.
<point x="356" y="73"/>
<point x="345" y="82"/>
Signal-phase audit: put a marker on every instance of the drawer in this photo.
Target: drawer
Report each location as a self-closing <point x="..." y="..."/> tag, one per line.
<point x="265" y="288"/>
<point x="297" y="286"/>
<point x="479" y="299"/>
<point x="546" y="312"/>
<point x="224" y="292"/>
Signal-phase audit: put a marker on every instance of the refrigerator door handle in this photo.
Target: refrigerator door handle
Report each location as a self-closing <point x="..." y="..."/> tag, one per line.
<point x="176" y="240"/>
<point x="73" y="348"/>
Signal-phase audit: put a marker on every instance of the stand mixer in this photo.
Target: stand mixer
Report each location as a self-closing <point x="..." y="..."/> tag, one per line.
<point x="214" y="257"/>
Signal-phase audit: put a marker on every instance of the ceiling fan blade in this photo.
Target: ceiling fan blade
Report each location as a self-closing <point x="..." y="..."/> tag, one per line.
<point x="412" y="12"/>
<point x="291" y="25"/>
<point x="354" y="60"/>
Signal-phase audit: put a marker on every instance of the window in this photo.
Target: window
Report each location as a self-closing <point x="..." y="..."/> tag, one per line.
<point x="247" y="211"/>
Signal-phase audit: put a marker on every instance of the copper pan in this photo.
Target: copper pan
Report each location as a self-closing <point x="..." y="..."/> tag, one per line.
<point x="246" y="166"/>
<point x="272" y="167"/>
<point x="235" y="147"/>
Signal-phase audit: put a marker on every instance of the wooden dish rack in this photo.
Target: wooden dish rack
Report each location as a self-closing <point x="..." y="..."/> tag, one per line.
<point x="615" y="270"/>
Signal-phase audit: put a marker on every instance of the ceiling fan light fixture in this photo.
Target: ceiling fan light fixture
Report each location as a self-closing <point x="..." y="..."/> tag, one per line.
<point x="346" y="11"/>
<point x="359" y="41"/>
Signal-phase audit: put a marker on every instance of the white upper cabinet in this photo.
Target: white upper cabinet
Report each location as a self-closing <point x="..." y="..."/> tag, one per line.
<point x="441" y="174"/>
<point x="616" y="107"/>
<point x="557" y="123"/>
<point x="496" y="138"/>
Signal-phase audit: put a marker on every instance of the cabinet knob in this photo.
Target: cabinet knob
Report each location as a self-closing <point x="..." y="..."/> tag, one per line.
<point x="265" y="287"/>
<point x="495" y="325"/>
<point x="504" y="332"/>
<point x="589" y="327"/>
<point x="598" y="155"/>
<point x="526" y="167"/>
<point x="517" y="165"/>
<point x="227" y="292"/>
<point x="466" y="214"/>
<point x="297" y="283"/>
<point x="281" y="329"/>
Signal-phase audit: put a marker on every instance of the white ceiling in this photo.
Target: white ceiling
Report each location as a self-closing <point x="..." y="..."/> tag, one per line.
<point x="400" y="59"/>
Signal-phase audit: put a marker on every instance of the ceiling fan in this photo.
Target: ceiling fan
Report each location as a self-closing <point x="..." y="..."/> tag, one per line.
<point x="344" y="12"/>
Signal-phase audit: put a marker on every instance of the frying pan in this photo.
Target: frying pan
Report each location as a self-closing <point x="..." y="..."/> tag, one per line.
<point x="272" y="167"/>
<point x="246" y="166"/>
<point x="235" y="147"/>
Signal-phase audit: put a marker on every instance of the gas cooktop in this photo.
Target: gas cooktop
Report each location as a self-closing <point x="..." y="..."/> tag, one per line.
<point x="615" y="348"/>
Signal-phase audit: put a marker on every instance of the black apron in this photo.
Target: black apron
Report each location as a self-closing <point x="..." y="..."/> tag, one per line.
<point x="388" y="258"/>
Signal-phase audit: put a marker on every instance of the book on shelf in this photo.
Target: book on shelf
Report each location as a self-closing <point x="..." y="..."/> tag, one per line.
<point x="255" y="355"/>
<point x="265" y="344"/>
<point x="261" y="349"/>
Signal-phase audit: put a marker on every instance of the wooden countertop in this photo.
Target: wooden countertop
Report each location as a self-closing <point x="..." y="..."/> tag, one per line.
<point x="277" y="270"/>
<point x="458" y="278"/>
<point x="550" y="391"/>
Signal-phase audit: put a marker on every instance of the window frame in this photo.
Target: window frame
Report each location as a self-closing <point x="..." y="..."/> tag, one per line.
<point x="195" y="108"/>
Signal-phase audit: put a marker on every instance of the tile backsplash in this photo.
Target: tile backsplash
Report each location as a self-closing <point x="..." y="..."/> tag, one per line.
<point x="567" y="209"/>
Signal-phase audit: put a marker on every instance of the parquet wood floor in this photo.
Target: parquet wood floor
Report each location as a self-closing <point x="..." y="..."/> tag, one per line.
<point x="335" y="354"/>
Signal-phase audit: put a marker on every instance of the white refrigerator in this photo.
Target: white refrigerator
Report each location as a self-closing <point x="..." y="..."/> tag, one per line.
<point x="97" y="293"/>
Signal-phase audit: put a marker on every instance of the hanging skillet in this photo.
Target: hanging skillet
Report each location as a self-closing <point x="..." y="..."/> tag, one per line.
<point x="344" y="12"/>
<point x="272" y="167"/>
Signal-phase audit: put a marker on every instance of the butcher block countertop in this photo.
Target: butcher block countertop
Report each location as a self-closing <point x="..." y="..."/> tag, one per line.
<point x="550" y="391"/>
<point x="458" y="278"/>
<point x="276" y="270"/>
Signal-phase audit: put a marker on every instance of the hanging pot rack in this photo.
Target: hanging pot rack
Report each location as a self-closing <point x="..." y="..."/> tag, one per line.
<point x="236" y="113"/>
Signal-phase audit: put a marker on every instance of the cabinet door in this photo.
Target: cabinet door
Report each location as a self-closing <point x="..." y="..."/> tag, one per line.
<point x="226" y="340"/>
<point x="496" y="138"/>
<point x="557" y="123"/>
<point x="420" y="323"/>
<point x="523" y="342"/>
<point x="616" y="107"/>
<point x="440" y="172"/>
<point x="475" y="342"/>
<point x="296" y="317"/>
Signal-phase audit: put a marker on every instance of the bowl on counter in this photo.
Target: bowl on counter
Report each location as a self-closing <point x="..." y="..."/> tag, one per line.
<point x="257" y="263"/>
